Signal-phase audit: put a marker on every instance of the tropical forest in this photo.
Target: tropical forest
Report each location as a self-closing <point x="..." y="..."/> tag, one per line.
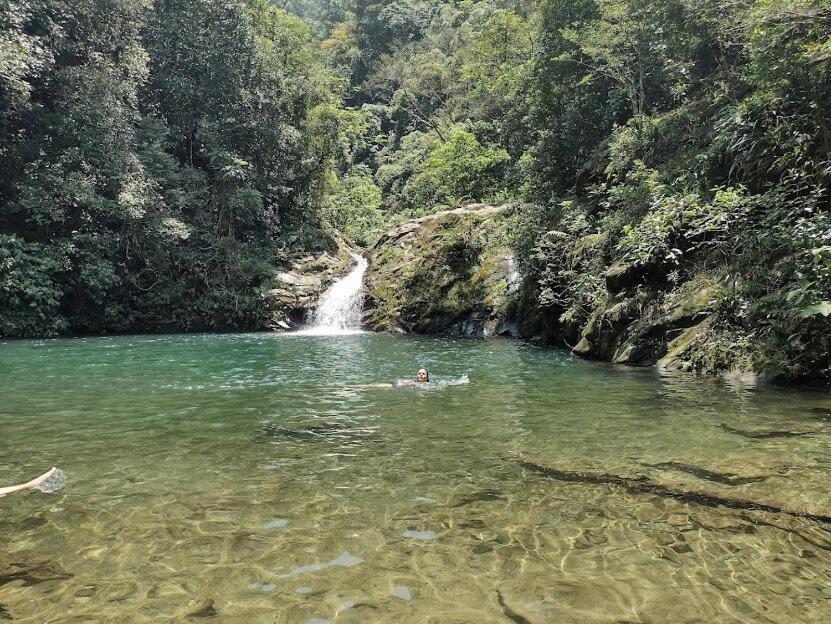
<point x="449" y="311"/>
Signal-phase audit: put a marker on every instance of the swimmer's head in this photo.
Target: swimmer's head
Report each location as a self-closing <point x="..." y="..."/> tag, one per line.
<point x="422" y="376"/>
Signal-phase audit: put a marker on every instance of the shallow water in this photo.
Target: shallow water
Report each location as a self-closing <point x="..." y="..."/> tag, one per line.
<point x="263" y="478"/>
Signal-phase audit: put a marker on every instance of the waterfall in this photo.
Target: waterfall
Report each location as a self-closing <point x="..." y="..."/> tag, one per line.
<point x="341" y="306"/>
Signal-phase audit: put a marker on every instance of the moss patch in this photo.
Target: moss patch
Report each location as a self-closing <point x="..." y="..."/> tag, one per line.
<point x="446" y="272"/>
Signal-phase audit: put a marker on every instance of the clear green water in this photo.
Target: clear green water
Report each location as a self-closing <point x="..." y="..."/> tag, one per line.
<point x="401" y="505"/>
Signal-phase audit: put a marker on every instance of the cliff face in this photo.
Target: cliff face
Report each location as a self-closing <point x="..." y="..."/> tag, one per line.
<point x="450" y="272"/>
<point x="679" y="312"/>
<point x="455" y="273"/>
<point x="643" y="327"/>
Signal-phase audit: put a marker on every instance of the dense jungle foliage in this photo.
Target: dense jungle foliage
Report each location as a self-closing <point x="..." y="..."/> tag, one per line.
<point x="159" y="158"/>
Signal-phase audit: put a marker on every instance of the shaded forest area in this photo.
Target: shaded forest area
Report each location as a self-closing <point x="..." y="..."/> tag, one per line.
<point x="158" y="158"/>
<point x="161" y="158"/>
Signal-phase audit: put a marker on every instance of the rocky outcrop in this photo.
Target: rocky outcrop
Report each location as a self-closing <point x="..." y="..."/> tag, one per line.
<point x="454" y="272"/>
<point x="445" y="273"/>
<point x="638" y="330"/>
<point x="297" y="287"/>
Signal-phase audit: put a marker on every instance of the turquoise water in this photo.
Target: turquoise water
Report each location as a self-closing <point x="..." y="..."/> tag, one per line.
<point x="265" y="478"/>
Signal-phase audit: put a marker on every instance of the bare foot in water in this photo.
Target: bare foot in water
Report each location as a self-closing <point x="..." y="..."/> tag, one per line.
<point x="34" y="484"/>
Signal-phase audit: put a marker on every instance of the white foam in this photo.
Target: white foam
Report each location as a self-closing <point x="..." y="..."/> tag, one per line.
<point x="325" y="331"/>
<point x="56" y="481"/>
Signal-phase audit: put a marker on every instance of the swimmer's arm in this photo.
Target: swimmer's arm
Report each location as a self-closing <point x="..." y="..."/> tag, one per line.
<point x="402" y="383"/>
<point x="28" y="485"/>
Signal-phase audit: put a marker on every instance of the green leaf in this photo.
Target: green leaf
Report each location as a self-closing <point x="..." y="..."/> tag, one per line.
<point x="822" y="308"/>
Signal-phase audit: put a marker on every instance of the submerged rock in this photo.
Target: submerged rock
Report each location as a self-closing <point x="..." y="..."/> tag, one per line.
<point x="344" y="560"/>
<point x="203" y="609"/>
<point x="701" y="492"/>
<point x="419" y="535"/>
<point x="725" y="478"/>
<point x="480" y="496"/>
<point x="31" y="572"/>
<point x="821" y="413"/>
<point x="403" y="592"/>
<point x="764" y="435"/>
<point x="276" y="523"/>
<point x="301" y="432"/>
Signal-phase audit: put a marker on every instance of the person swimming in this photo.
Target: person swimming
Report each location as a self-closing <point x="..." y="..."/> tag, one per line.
<point x="422" y="380"/>
<point x="422" y="377"/>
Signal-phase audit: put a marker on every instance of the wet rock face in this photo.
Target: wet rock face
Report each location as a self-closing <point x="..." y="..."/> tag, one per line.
<point x="445" y="273"/>
<point x="297" y="288"/>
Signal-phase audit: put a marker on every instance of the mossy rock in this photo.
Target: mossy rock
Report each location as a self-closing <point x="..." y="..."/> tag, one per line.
<point x="591" y="243"/>
<point x="449" y="272"/>
<point x="639" y="330"/>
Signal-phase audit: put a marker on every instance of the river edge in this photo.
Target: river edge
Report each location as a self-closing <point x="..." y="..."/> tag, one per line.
<point x="456" y="272"/>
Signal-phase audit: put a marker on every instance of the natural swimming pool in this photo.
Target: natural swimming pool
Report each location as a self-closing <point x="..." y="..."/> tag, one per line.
<point x="260" y="478"/>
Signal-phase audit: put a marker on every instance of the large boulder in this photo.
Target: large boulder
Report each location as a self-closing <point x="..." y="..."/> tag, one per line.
<point x="641" y="331"/>
<point x="448" y="272"/>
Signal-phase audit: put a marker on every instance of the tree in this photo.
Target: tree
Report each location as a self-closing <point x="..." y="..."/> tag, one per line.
<point x="155" y="155"/>
<point x="626" y="43"/>
<point x="456" y="170"/>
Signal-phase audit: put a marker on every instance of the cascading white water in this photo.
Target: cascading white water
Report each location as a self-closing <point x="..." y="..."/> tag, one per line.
<point x="341" y="306"/>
